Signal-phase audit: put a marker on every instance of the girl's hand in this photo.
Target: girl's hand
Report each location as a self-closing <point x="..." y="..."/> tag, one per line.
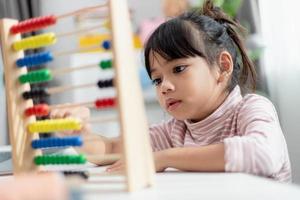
<point x="158" y="161"/>
<point x="81" y="113"/>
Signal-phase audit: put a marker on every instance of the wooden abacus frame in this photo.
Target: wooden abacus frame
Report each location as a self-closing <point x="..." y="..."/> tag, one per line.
<point x="137" y="154"/>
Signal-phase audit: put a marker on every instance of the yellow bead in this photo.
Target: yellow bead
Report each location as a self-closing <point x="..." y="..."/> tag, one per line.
<point x="54" y="125"/>
<point x="35" y="42"/>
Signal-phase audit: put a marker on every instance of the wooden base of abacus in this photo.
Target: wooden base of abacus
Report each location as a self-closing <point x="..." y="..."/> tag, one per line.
<point x="137" y="153"/>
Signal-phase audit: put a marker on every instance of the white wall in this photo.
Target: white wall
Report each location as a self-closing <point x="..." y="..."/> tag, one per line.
<point x="281" y="30"/>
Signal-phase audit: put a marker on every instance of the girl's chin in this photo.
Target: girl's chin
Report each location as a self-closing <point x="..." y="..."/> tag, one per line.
<point x="178" y="116"/>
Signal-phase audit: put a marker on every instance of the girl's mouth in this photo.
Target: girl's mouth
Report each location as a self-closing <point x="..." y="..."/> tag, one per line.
<point x="173" y="104"/>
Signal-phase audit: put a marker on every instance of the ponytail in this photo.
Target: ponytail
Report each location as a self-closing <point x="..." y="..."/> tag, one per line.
<point x="233" y="29"/>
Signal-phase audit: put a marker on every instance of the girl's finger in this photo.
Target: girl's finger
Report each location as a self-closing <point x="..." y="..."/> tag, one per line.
<point x="57" y="114"/>
<point x="115" y="165"/>
<point x="53" y="113"/>
<point x="66" y="114"/>
<point x="115" y="169"/>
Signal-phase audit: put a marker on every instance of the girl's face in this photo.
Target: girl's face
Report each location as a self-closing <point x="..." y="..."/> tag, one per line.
<point x="187" y="88"/>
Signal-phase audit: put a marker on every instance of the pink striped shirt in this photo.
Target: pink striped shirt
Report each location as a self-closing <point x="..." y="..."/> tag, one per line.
<point x="249" y="128"/>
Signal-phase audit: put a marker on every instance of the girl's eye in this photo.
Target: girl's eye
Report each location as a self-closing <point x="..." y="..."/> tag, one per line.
<point x="179" y="69"/>
<point x="156" y="81"/>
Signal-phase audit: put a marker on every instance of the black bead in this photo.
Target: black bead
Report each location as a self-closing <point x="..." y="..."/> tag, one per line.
<point x="105" y="83"/>
<point x="82" y="174"/>
<point x="35" y="93"/>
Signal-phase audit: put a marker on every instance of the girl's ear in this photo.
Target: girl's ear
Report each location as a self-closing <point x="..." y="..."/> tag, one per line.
<point x="225" y="65"/>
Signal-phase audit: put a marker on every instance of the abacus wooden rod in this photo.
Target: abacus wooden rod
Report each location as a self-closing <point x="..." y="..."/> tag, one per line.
<point x="41" y="110"/>
<point x="104" y="158"/>
<point x="38" y="23"/>
<point x="69" y="87"/>
<point x="89" y="104"/>
<point x="45" y="57"/>
<point x="72" y="51"/>
<point x="43" y="92"/>
<point x="66" y="70"/>
<point x="61" y="89"/>
<point x="65" y="124"/>
<point x="64" y="53"/>
<point x="38" y="41"/>
<point x="74" y="139"/>
<point x="81" y="11"/>
<point x="80" y="31"/>
<point x="47" y="159"/>
<point x="117" y="173"/>
<point x="102" y="119"/>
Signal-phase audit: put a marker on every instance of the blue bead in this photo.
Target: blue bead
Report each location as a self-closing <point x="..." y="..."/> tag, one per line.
<point x="44" y="143"/>
<point x="79" y="141"/>
<point x="106" y="44"/>
<point x="61" y="142"/>
<point x="35" y="59"/>
<point x="34" y="144"/>
<point x="71" y="141"/>
<point x="57" y="142"/>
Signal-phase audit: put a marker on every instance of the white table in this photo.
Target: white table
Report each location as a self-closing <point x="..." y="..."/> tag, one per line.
<point x="184" y="185"/>
<point x="187" y="185"/>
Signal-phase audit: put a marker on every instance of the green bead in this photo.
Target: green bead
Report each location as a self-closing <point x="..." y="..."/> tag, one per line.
<point x="105" y="64"/>
<point x="37" y="160"/>
<point x="36" y="76"/>
<point x="82" y="159"/>
<point x="59" y="159"/>
<point x="46" y="160"/>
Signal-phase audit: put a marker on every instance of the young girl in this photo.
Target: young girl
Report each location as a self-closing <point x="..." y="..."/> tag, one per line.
<point x="199" y="65"/>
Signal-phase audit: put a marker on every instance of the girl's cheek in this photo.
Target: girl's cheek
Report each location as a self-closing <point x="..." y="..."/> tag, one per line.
<point x="161" y="102"/>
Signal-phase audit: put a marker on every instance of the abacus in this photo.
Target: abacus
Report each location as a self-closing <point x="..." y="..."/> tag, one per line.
<point x="22" y="113"/>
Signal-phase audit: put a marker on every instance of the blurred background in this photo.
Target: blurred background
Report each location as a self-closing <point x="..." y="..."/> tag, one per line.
<point x="272" y="40"/>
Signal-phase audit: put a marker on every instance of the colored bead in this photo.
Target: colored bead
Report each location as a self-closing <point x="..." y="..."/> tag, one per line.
<point x="105" y="83"/>
<point x="33" y="24"/>
<point x="35" y="42"/>
<point x="52" y="125"/>
<point x="59" y="159"/>
<point x="105" y="64"/>
<point x="35" y="93"/>
<point x="105" y="103"/>
<point x="35" y="59"/>
<point x="37" y="76"/>
<point x="82" y="174"/>
<point x="57" y="142"/>
<point x="106" y="45"/>
<point x="39" y="110"/>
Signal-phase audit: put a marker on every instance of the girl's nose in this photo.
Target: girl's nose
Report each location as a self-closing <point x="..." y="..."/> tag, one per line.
<point x="167" y="86"/>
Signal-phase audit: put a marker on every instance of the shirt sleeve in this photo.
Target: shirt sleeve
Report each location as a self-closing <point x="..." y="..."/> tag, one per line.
<point x="260" y="147"/>
<point x="160" y="135"/>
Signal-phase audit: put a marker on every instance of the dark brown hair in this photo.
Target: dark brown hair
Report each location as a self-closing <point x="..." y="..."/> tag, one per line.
<point x="204" y="33"/>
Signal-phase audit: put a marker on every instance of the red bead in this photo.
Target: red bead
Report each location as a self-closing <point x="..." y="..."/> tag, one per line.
<point x="105" y="103"/>
<point x="39" y="110"/>
<point x="33" y="24"/>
